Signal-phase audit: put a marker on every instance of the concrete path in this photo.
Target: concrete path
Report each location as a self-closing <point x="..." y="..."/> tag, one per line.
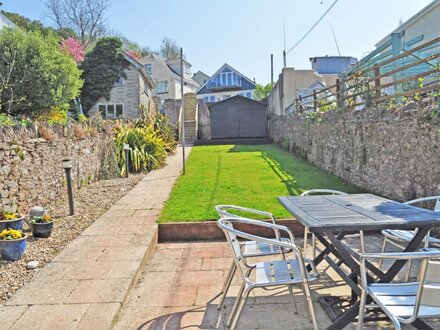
<point x="86" y="284"/>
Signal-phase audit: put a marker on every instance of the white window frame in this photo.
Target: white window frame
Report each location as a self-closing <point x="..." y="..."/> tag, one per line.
<point x="106" y="105"/>
<point x="150" y="70"/>
<point x="165" y="82"/>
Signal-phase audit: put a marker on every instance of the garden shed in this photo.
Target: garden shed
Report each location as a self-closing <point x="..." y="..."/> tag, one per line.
<point x="238" y="117"/>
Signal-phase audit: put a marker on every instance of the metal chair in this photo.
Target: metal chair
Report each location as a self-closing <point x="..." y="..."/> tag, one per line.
<point x="398" y="237"/>
<point x="271" y="273"/>
<point x="403" y="302"/>
<point x="306" y="230"/>
<point x="249" y="249"/>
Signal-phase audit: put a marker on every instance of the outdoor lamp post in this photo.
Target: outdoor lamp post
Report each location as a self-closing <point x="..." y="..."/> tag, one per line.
<point x="127" y="155"/>
<point x="67" y="165"/>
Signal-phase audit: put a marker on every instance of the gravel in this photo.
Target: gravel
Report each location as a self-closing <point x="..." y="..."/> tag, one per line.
<point x="91" y="201"/>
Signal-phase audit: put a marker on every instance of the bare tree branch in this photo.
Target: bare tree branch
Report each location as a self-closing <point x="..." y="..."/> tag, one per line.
<point x="85" y="17"/>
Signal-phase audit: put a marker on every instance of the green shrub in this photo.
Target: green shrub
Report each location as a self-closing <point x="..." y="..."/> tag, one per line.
<point x="147" y="152"/>
<point x="36" y="75"/>
<point x="5" y="120"/>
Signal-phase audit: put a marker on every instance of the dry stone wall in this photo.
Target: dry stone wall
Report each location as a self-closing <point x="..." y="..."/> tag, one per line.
<point x="31" y="170"/>
<point x="392" y="153"/>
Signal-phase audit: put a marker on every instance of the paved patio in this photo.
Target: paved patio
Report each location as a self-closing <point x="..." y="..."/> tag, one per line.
<point x="179" y="289"/>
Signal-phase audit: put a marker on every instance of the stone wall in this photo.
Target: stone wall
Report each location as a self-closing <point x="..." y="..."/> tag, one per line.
<point x="392" y="153"/>
<point x="31" y="170"/>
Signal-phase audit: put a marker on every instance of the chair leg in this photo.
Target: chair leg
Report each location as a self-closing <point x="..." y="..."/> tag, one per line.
<point x="311" y="309"/>
<point x="227" y="284"/>
<point x="361" y="316"/>
<point x="306" y="232"/>
<point x="237" y="301"/>
<point x="314" y="246"/>
<point x="240" y="308"/>
<point x="362" y="241"/>
<point x="295" y="309"/>
<point x="384" y="246"/>
<point x="408" y="271"/>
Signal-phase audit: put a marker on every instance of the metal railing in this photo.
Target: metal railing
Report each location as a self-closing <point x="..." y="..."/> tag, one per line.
<point x="413" y="73"/>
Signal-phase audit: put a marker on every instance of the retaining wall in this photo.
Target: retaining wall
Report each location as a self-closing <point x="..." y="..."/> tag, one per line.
<point x="394" y="153"/>
<point x="31" y="170"/>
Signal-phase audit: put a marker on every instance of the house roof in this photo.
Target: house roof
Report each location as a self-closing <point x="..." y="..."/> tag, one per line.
<point x="226" y="65"/>
<point x="164" y="64"/>
<point x="235" y="97"/>
<point x="411" y="20"/>
<point x="141" y="69"/>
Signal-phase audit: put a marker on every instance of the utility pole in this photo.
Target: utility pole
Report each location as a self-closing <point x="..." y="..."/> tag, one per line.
<point x="284" y="58"/>
<point x="182" y="109"/>
<point x="271" y="70"/>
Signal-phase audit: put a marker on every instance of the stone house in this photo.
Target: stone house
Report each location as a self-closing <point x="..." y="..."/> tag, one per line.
<point x="129" y="93"/>
<point x="166" y="76"/>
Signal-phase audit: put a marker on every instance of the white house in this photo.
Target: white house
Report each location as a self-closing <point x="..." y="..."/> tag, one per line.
<point x="166" y="76"/>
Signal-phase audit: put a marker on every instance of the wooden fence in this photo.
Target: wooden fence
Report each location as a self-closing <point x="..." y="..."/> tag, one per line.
<point x="379" y="77"/>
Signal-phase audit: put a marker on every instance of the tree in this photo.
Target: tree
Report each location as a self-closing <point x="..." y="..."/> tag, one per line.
<point x="35" y="75"/>
<point x="169" y="49"/>
<point x="85" y="17"/>
<point x="101" y="67"/>
<point x="28" y="25"/>
<point x="262" y="91"/>
<point x="74" y="48"/>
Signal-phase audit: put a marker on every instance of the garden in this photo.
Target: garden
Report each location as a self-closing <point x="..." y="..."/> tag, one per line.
<point x="246" y="175"/>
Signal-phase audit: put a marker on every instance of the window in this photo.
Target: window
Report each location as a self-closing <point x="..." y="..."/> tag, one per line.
<point x="249" y="95"/>
<point x="120" y="81"/>
<point x="162" y="87"/>
<point x="111" y="111"/>
<point x="212" y="98"/>
<point x="149" y="68"/>
<point x="206" y="99"/>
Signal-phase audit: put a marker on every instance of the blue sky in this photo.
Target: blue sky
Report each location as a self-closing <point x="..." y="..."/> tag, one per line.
<point x="244" y="33"/>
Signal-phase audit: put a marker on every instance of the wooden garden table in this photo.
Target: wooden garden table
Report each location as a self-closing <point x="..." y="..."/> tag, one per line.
<point x="331" y="217"/>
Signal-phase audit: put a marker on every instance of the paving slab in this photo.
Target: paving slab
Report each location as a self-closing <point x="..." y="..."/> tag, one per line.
<point x="86" y="284"/>
<point x="180" y="289"/>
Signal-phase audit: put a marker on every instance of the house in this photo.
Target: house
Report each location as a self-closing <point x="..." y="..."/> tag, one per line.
<point x="225" y="83"/>
<point x="5" y="21"/>
<point x="200" y="77"/>
<point x="166" y="75"/>
<point x="294" y="83"/>
<point x="128" y="94"/>
<point x="332" y="64"/>
<point x="419" y="29"/>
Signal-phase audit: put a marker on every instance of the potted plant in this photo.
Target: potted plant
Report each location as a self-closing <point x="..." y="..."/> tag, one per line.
<point x="11" y="220"/>
<point x="42" y="226"/>
<point x="12" y="244"/>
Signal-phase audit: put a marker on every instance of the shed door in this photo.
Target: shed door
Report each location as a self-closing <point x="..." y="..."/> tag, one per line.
<point x="238" y="120"/>
<point x="224" y="122"/>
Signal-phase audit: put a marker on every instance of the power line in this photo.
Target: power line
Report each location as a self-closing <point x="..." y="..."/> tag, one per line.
<point x="311" y="29"/>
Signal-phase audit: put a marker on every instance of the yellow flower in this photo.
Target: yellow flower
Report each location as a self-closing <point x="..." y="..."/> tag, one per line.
<point x="9" y="215"/>
<point x="10" y="234"/>
<point x="47" y="218"/>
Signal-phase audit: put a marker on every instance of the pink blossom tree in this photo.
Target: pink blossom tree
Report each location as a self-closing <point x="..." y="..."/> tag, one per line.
<point x="74" y="48"/>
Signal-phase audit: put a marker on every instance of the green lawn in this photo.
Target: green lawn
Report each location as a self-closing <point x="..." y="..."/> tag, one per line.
<point x="246" y="175"/>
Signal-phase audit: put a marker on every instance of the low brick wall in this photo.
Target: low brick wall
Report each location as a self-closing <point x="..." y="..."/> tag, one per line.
<point x="31" y="170"/>
<point x="394" y="153"/>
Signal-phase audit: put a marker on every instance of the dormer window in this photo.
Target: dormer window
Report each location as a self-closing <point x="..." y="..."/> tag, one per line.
<point x="120" y="81"/>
